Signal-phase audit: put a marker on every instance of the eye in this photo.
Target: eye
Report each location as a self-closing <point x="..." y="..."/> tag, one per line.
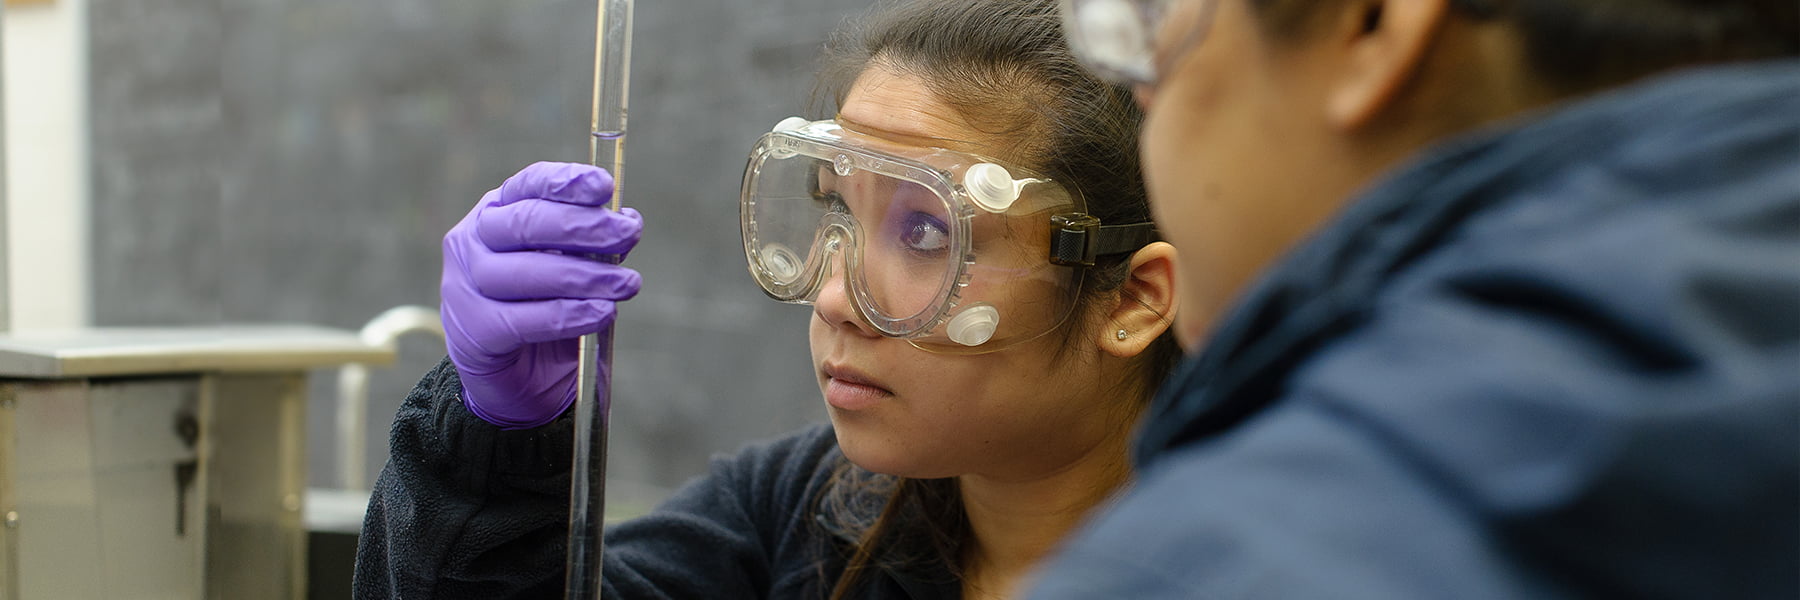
<point x="829" y="201"/>
<point x="925" y="234"/>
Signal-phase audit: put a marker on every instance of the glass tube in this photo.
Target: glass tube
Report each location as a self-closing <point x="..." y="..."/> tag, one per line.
<point x="606" y="148"/>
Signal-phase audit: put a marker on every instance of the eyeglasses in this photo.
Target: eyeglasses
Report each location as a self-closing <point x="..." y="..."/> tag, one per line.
<point x="1117" y="38"/>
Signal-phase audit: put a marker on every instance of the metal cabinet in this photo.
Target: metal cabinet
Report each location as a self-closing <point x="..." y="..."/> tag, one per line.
<point x="139" y="463"/>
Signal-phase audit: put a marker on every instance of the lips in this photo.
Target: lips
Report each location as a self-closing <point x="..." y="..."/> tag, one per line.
<point x="847" y="388"/>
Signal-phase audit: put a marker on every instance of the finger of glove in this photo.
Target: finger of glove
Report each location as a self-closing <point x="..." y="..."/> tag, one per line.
<point x="534" y="321"/>
<point x="511" y="276"/>
<point x="568" y="183"/>
<point x="541" y="225"/>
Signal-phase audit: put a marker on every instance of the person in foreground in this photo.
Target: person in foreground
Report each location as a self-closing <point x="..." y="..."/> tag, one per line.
<point x="991" y="314"/>
<point x="1486" y="299"/>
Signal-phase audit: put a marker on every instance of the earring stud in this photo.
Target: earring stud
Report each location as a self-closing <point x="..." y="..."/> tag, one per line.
<point x="1121" y="335"/>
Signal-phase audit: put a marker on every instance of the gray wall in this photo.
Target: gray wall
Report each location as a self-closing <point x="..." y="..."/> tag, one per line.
<point x="297" y="161"/>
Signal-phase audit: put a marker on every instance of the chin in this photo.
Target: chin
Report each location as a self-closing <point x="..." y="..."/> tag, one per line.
<point x="880" y="452"/>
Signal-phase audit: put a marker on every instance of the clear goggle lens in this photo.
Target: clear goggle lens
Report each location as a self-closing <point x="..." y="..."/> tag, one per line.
<point x="921" y="255"/>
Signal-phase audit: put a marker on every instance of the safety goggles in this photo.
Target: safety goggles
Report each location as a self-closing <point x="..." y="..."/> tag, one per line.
<point x="1117" y="38"/>
<point x="952" y="251"/>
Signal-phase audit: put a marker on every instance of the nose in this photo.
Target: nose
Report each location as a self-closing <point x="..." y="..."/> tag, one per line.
<point x="833" y="304"/>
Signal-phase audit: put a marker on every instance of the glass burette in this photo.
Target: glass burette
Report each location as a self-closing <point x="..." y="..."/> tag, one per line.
<point x="606" y="148"/>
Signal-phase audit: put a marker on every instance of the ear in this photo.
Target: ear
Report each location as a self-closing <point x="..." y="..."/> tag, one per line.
<point x="1385" y="42"/>
<point x="1147" y="302"/>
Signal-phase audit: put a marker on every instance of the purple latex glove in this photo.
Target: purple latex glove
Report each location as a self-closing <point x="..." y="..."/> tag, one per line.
<point x="514" y="305"/>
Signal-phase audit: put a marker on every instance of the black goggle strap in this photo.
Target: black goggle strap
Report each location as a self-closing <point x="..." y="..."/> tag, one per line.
<point x="1077" y="239"/>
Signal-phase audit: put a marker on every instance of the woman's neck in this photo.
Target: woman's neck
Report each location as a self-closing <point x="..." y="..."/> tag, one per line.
<point x="1015" y="523"/>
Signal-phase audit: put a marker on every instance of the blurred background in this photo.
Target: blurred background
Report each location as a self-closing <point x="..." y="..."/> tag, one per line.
<point x="200" y="163"/>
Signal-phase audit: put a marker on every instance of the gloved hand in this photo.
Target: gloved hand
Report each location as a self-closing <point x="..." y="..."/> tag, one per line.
<point x="514" y="304"/>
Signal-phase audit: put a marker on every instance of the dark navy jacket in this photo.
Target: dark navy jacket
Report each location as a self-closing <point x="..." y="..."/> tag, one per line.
<point x="1558" y="359"/>
<point x="466" y="510"/>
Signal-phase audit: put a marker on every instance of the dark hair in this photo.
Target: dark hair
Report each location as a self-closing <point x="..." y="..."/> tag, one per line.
<point x="1004" y="65"/>
<point x="1583" y="45"/>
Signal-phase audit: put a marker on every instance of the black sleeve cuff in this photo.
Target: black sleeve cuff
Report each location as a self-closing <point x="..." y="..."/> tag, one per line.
<point x="463" y="437"/>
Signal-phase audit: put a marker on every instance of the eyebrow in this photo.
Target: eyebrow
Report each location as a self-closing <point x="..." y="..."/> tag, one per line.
<point x="865" y="128"/>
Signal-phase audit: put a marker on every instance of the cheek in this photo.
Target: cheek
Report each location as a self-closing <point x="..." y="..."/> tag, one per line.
<point x="1185" y="178"/>
<point x="817" y="336"/>
<point x="1190" y="332"/>
<point x="1178" y="177"/>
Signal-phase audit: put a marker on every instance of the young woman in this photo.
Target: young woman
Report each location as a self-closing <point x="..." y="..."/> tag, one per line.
<point x="991" y="316"/>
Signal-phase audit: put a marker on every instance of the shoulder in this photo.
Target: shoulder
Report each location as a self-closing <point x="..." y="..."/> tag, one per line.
<point x="1291" y="504"/>
<point x="799" y="459"/>
<point x="774" y="483"/>
<point x="1600" y="339"/>
<point x="744" y="526"/>
<point x="1659" y="271"/>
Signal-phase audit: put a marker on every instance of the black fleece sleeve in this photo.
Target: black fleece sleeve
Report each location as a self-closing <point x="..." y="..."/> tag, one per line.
<point x="464" y="509"/>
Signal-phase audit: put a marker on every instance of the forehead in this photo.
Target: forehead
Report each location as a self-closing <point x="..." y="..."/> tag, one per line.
<point x="900" y="107"/>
